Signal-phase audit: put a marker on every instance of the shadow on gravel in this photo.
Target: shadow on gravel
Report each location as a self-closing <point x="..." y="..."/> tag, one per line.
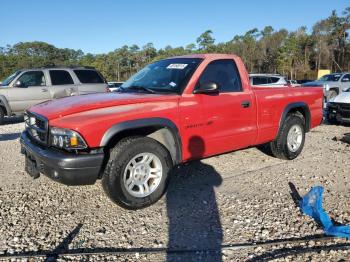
<point x="294" y="194"/>
<point x="8" y="137"/>
<point x="299" y="250"/>
<point x="264" y="148"/>
<point x="64" y="245"/>
<point x="194" y="220"/>
<point x="346" y="138"/>
<point x="62" y="250"/>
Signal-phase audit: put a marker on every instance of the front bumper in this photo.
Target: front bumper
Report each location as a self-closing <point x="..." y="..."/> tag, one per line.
<point x="66" y="168"/>
<point x="339" y="112"/>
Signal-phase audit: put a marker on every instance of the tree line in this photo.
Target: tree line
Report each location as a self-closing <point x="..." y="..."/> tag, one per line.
<point x="296" y="54"/>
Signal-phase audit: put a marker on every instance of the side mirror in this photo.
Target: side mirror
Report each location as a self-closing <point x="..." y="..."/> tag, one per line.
<point x="18" y="84"/>
<point x="207" y="88"/>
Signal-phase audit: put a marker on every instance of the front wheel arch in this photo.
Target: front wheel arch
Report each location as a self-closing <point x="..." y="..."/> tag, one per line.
<point x="160" y="129"/>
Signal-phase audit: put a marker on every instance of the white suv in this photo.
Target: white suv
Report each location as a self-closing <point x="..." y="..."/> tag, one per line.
<point x="28" y="87"/>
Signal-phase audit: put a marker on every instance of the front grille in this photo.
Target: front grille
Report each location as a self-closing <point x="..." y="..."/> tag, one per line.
<point x="37" y="127"/>
<point x="344" y="106"/>
<point x="343" y="109"/>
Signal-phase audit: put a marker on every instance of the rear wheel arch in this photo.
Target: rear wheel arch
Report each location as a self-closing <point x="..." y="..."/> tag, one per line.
<point x="160" y="129"/>
<point x="297" y="108"/>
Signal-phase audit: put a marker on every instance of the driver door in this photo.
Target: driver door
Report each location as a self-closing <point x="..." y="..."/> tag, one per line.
<point x="29" y="89"/>
<point x="229" y="117"/>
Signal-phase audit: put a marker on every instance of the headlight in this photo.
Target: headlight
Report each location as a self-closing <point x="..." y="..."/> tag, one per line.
<point x="29" y="120"/>
<point x="66" y="139"/>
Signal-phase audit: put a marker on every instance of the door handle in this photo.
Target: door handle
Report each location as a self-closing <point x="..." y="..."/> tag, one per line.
<point x="245" y="104"/>
<point x="44" y="90"/>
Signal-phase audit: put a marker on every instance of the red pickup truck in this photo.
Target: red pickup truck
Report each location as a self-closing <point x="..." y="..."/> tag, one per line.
<point x="170" y="112"/>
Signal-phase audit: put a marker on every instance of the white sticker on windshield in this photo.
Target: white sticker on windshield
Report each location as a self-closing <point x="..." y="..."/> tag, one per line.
<point x="172" y="84"/>
<point x="177" y="66"/>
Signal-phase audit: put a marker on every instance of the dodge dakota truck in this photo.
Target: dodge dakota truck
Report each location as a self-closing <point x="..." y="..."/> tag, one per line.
<point x="170" y="112"/>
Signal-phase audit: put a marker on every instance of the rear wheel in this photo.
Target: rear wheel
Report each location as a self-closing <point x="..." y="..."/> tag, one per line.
<point x="291" y="138"/>
<point x="2" y="115"/>
<point x="136" y="174"/>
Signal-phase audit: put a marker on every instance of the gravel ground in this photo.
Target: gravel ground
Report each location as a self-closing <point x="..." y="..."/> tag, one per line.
<point x="223" y="202"/>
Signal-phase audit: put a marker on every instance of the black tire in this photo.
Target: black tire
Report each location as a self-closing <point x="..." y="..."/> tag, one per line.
<point x="120" y="156"/>
<point x="279" y="147"/>
<point x="2" y="115"/>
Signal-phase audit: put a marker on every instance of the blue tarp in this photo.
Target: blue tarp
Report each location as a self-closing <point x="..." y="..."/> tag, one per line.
<point x="311" y="205"/>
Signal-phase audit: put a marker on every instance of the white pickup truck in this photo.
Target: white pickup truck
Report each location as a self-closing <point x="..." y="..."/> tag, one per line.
<point x="333" y="84"/>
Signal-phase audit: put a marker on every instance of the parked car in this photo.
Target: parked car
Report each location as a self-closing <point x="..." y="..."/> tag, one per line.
<point x="172" y="111"/>
<point x="332" y="84"/>
<point x="338" y="108"/>
<point x="268" y="80"/>
<point x="114" y="86"/>
<point x="27" y="87"/>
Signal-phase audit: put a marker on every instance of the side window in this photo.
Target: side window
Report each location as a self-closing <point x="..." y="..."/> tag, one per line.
<point x="89" y="77"/>
<point x="274" y="80"/>
<point x="60" y="77"/>
<point x="346" y="78"/>
<point x="259" y="80"/>
<point x="32" y="78"/>
<point x="224" y="73"/>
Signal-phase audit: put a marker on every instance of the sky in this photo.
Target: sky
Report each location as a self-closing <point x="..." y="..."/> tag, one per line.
<point x="101" y="26"/>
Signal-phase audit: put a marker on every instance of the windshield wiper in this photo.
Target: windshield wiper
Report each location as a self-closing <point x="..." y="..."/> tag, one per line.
<point x="140" y="88"/>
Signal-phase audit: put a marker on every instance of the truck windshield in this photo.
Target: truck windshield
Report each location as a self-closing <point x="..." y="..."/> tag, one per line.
<point x="330" y="78"/>
<point x="169" y="75"/>
<point x="9" y="79"/>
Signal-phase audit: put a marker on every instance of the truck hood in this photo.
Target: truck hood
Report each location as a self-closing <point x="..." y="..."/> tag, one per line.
<point x="342" y="98"/>
<point x="76" y="104"/>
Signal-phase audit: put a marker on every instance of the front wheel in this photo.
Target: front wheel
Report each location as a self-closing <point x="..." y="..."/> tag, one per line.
<point x="290" y="139"/>
<point x="136" y="174"/>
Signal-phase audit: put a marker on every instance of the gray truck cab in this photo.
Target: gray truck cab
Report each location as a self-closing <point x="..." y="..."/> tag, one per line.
<point x="28" y="87"/>
<point x="333" y="84"/>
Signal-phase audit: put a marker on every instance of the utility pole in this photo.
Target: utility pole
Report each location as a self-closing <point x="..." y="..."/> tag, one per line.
<point x="118" y="72"/>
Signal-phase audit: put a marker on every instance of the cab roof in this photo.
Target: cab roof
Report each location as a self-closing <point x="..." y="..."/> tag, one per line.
<point x="211" y="56"/>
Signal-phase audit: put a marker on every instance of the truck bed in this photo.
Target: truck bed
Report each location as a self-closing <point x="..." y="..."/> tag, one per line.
<point x="272" y="101"/>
